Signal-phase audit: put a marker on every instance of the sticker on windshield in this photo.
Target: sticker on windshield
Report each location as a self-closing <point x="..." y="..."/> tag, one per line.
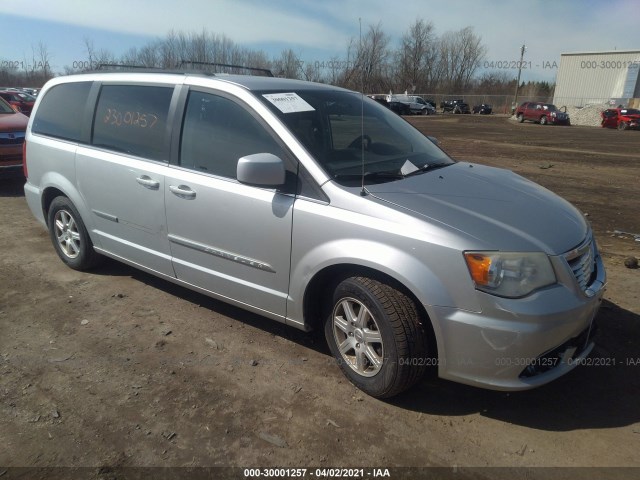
<point x="288" y="102"/>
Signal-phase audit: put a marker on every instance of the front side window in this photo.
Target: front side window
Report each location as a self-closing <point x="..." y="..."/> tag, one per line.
<point x="61" y="111"/>
<point x="344" y="132"/>
<point x="133" y="119"/>
<point x="217" y="132"/>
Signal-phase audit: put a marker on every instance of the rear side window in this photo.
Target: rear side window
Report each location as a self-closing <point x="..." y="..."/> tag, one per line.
<point x="61" y="111"/>
<point x="133" y="119"/>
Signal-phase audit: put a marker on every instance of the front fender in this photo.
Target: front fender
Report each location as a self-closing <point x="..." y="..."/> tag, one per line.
<point x="390" y="260"/>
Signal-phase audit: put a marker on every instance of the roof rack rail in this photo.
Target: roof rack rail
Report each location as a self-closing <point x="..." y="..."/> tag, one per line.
<point x="264" y="71"/>
<point x="123" y="68"/>
<point x="105" y="66"/>
<point x="180" y="68"/>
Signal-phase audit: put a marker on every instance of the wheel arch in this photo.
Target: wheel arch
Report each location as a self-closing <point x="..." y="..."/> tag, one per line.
<point x="324" y="281"/>
<point x="56" y="185"/>
<point x="48" y="195"/>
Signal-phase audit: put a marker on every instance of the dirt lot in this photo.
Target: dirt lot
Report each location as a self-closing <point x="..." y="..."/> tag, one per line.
<point x="117" y="368"/>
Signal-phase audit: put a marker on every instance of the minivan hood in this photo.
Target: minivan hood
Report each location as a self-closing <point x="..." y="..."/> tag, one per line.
<point x="498" y="207"/>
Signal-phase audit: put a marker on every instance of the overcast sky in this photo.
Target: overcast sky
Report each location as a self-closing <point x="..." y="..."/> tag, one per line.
<point x="318" y="30"/>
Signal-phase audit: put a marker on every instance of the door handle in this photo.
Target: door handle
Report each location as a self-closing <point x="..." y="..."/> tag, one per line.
<point x="148" y="182"/>
<point x="182" y="191"/>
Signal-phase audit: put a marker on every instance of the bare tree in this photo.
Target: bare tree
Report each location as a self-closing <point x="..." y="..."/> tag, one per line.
<point x="38" y="69"/>
<point x="336" y="69"/>
<point x="460" y="54"/>
<point x="367" y="62"/>
<point x="288" y="65"/>
<point x="149" y="55"/>
<point x="90" y="49"/>
<point x="416" y="57"/>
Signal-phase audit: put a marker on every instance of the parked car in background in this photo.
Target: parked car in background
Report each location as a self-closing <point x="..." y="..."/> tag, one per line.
<point x="401" y="108"/>
<point x="483" y="109"/>
<point x="13" y="126"/>
<point x="542" y="113"/>
<point x="410" y="104"/>
<point x="455" y="106"/>
<point x="422" y="106"/>
<point x="31" y="91"/>
<point x="22" y="101"/>
<point x="621" y="118"/>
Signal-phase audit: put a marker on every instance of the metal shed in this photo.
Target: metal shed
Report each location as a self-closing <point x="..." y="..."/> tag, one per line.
<point x="598" y="77"/>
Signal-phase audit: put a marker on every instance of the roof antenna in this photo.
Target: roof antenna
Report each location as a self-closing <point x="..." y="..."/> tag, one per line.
<point x="363" y="191"/>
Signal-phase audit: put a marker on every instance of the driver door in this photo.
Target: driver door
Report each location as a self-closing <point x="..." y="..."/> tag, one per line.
<point x="228" y="238"/>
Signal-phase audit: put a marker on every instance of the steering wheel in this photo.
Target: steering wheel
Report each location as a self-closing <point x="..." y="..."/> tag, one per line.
<point x="358" y="142"/>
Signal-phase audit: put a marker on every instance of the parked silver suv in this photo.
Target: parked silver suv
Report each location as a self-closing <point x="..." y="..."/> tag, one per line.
<point x="315" y="206"/>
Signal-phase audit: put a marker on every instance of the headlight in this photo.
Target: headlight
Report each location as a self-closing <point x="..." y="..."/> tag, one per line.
<point x="509" y="274"/>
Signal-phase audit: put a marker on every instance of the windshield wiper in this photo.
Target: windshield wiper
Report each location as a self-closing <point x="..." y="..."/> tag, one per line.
<point x="426" y="167"/>
<point x="390" y="175"/>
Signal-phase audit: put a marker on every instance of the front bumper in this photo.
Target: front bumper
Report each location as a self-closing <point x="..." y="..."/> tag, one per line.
<point x="518" y="344"/>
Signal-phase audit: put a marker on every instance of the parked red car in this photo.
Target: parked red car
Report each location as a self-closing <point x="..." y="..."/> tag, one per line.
<point x="542" y="113"/>
<point x="621" y="118"/>
<point x="22" y="101"/>
<point x="13" y="126"/>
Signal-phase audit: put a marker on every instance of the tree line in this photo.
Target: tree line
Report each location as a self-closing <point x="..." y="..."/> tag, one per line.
<point x="421" y="62"/>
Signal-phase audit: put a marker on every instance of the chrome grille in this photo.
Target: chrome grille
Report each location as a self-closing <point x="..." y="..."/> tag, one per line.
<point x="581" y="260"/>
<point x="11" y="138"/>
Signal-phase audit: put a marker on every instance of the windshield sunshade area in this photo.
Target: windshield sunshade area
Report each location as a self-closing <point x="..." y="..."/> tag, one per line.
<point x="338" y="127"/>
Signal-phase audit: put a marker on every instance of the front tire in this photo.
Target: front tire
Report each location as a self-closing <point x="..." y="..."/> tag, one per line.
<point x="69" y="235"/>
<point x="376" y="334"/>
<point x="623" y="126"/>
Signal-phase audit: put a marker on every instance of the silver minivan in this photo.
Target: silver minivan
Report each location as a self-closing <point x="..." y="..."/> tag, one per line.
<point x="319" y="208"/>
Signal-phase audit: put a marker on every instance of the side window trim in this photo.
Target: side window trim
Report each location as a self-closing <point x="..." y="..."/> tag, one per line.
<point x="180" y="108"/>
<point x="89" y="113"/>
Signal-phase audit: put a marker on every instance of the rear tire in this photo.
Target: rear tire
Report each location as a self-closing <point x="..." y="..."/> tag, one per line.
<point x="520" y="118"/>
<point x="69" y="235"/>
<point x="377" y="336"/>
<point x="543" y="120"/>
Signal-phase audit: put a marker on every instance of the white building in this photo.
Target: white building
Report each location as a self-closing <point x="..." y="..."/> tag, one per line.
<point x="598" y="77"/>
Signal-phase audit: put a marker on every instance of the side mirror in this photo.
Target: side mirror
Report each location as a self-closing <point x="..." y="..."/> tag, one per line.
<point x="434" y="140"/>
<point x="261" y="170"/>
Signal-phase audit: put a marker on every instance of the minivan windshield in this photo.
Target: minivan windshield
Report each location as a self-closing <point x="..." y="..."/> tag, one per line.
<point x="338" y="127"/>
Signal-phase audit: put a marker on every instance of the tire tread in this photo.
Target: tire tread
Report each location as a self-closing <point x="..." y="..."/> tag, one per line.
<point x="406" y="322"/>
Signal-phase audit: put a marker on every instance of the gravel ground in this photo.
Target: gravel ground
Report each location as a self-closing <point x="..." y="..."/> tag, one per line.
<point x="588" y="116"/>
